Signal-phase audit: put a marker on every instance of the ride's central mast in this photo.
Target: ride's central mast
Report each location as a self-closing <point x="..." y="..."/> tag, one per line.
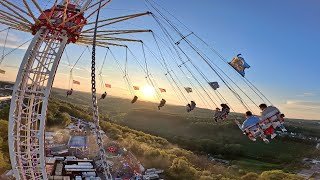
<point x="53" y="30"/>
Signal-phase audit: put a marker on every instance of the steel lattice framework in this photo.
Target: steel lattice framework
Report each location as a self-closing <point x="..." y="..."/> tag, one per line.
<point x="29" y="103"/>
<point x="53" y="30"/>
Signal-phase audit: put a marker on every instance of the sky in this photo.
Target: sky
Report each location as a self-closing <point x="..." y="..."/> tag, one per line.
<point x="279" y="39"/>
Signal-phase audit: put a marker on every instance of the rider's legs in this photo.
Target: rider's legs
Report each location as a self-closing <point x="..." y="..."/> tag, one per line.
<point x="259" y="133"/>
<point x="251" y="136"/>
<point x="276" y="124"/>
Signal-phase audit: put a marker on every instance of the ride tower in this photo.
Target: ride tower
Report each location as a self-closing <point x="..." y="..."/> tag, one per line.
<point x="52" y="30"/>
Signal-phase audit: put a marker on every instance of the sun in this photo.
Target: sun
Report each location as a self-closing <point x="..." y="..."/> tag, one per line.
<point x="148" y="91"/>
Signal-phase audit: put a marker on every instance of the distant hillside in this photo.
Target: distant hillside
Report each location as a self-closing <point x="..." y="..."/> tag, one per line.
<point x="116" y="104"/>
<point x="155" y="151"/>
<point x="198" y="132"/>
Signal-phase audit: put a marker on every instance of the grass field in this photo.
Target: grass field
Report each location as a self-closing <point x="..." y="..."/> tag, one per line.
<point x="255" y="165"/>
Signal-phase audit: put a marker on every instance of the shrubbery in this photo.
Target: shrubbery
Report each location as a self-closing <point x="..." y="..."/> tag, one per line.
<point x="158" y="152"/>
<point x="4" y="155"/>
<point x="271" y="175"/>
<point x="152" y="151"/>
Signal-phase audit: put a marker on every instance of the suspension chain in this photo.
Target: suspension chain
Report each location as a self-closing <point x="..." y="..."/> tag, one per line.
<point x="102" y="152"/>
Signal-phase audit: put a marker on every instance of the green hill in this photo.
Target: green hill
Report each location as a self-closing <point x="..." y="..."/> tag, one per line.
<point x="198" y="132"/>
<point x="179" y="142"/>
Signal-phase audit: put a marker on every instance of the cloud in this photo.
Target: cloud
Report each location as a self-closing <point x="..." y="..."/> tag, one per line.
<point x="302" y="109"/>
<point x="307" y="94"/>
<point x="80" y="77"/>
<point x="11" y="66"/>
<point x="307" y="104"/>
<point x="77" y="67"/>
<point x="14" y="40"/>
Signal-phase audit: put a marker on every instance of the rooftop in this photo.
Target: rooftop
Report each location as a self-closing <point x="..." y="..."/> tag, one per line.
<point x="77" y="141"/>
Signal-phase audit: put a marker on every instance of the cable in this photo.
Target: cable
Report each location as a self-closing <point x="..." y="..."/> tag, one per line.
<point x="102" y="84"/>
<point x="169" y="37"/>
<point x="5" y="29"/>
<point x="150" y="76"/>
<point x="68" y="59"/>
<point x="104" y="60"/>
<point x="79" y="58"/>
<point x="15" y="49"/>
<point x="204" y="101"/>
<point x="125" y="76"/>
<point x="251" y="86"/>
<point x="229" y="87"/>
<point x="167" y="69"/>
<point x="4" y="45"/>
<point x="147" y="73"/>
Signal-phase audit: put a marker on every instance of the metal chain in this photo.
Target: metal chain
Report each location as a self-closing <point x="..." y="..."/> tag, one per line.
<point x="102" y="152"/>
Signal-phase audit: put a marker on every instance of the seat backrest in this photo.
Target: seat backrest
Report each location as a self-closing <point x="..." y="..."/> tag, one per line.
<point x="193" y="105"/>
<point x="218" y="113"/>
<point x="225" y="111"/>
<point x="135" y="98"/>
<point x="271" y="113"/>
<point x="253" y="129"/>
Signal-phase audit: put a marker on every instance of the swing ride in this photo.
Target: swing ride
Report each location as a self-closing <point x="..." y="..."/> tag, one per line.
<point x="56" y="24"/>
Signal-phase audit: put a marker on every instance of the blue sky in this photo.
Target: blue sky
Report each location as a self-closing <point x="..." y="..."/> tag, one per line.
<point x="279" y="39"/>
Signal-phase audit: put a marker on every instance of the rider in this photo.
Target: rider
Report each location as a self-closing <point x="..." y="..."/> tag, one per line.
<point x="225" y="110"/>
<point x="193" y="105"/>
<point x="162" y="103"/>
<point x="223" y="113"/>
<point x="250" y="121"/>
<point x="268" y="111"/>
<point x="188" y="107"/>
<point x="273" y="115"/>
<point x="104" y="95"/>
<point x="217" y="114"/>
<point x="282" y="116"/>
<point x="69" y="92"/>
<point x="135" y="98"/>
<point x="250" y="128"/>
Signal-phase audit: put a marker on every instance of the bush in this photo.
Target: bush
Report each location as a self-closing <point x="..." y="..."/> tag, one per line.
<point x="182" y="169"/>
<point x="65" y="118"/>
<point x="3" y="163"/>
<point x="206" y="178"/>
<point x="4" y="113"/>
<point x="278" y="175"/>
<point x="4" y="127"/>
<point x="250" y="176"/>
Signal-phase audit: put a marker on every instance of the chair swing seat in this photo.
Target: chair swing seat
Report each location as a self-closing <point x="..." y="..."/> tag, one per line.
<point x="2" y="71"/>
<point x="134" y="100"/>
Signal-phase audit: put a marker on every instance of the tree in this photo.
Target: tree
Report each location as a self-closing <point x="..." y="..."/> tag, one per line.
<point x="53" y="108"/>
<point x="278" y="175"/>
<point x="4" y="129"/>
<point x="206" y="178"/>
<point x="4" y="136"/>
<point x="250" y="176"/>
<point x="3" y="163"/>
<point x="65" y="118"/>
<point x="182" y="169"/>
<point x="4" y="113"/>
